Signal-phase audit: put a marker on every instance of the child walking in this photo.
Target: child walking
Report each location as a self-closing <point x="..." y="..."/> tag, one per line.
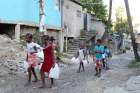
<point x="31" y="57"/>
<point x="98" y="51"/>
<point x="81" y="57"/>
<point x="49" y="60"/>
<point x="106" y="55"/>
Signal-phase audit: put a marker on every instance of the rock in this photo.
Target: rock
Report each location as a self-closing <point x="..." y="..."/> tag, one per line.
<point x="115" y="89"/>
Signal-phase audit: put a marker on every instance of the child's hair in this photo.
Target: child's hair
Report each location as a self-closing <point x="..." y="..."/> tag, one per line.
<point x="105" y="47"/>
<point x="29" y="35"/>
<point x="52" y="39"/>
<point x="46" y="37"/>
<point x="99" y="41"/>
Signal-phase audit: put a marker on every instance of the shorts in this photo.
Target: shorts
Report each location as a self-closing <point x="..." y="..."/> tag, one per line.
<point x="98" y="63"/>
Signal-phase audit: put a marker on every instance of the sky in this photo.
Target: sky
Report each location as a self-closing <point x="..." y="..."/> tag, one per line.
<point x="134" y="10"/>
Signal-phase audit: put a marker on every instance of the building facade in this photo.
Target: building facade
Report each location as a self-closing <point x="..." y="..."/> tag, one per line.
<point x="72" y="17"/>
<point x="22" y="16"/>
<point x="94" y="24"/>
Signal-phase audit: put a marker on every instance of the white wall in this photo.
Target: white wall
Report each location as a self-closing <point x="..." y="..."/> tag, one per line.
<point x="100" y="28"/>
<point x="72" y="18"/>
<point x="96" y="25"/>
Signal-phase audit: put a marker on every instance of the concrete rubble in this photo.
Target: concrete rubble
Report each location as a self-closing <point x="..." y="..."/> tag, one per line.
<point x="12" y="55"/>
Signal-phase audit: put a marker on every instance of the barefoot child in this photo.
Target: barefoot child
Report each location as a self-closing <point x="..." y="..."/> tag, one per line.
<point x="48" y="60"/>
<point x="98" y="51"/>
<point x="106" y="55"/>
<point x="81" y="57"/>
<point x="31" y="57"/>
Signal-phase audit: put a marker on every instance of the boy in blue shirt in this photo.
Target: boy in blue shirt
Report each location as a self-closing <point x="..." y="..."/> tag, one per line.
<point x="98" y="51"/>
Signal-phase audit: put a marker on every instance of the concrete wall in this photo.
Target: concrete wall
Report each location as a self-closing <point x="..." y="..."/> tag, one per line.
<point x="26" y="29"/>
<point x="95" y="25"/>
<point x="28" y="11"/>
<point x="100" y="28"/>
<point x="73" y="18"/>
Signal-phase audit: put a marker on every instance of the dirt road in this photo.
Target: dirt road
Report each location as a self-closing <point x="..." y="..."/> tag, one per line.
<point x="72" y="82"/>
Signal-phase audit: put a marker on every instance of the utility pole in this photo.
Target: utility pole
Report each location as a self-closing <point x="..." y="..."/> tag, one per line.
<point x="66" y="41"/>
<point x="109" y="20"/>
<point x="110" y="11"/>
<point x="61" y="43"/>
<point x="134" y="44"/>
<point x="42" y="27"/>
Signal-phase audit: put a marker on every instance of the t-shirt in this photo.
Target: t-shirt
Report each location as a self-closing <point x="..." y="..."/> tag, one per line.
<point x="30" y="47"/>
<point x="99" y="50"/>
<point x="107" y="51"/>
<point x="81" y="54"/>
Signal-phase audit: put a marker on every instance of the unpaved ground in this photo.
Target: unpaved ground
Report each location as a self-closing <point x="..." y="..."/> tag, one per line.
<point x="112" y="80"/>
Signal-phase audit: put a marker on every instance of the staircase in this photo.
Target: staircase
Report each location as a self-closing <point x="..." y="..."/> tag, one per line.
<point x="75" y="44"/>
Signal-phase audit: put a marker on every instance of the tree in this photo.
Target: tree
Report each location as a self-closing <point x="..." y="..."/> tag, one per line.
<point x="121" y="24"/>
<point x="110" y="12"/>
<point x="134" y="44"/>
<point x="95" y="6"/>
<point x="122" y="27"/>
<point x="109" y="25"/>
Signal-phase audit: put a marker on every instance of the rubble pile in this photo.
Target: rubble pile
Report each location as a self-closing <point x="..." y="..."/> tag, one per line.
<point x="12" y="55"/>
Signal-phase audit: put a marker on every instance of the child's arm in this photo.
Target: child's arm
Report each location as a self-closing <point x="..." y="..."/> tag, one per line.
<point x="53" y="56"/>
<point x="77" y="54"/>
<point x="27" y="57"/>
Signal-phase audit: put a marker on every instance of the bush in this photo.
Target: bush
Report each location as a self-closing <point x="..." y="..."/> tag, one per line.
<point x="82" y="32"/>
<point x="134" y="64"/>
<point x="127" y="48"/>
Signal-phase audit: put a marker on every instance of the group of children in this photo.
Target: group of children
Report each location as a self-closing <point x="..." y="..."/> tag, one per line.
<point x="31" y="59"/>
<point x="100" y="54"/>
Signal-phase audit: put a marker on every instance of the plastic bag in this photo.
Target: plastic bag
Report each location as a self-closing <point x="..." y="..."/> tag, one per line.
<point x="104" y="55"/>
<point x="54" y="72"/>
<point x="85" y="62"/>
<point x="38" y="67"/>
<point x="75" y="60"/>
<point x="40" y="56"/>
<point x="26" y="65"/>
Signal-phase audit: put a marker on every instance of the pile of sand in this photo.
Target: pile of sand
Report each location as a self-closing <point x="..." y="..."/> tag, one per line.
<point x="12" y="55"/>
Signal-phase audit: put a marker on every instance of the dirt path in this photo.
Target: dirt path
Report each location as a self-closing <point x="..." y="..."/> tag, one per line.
<point x="72" y="82"/>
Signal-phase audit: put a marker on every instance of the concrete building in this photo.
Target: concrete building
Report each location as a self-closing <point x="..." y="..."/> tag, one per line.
<point x="91" y="23"/>
<point x="18" y="17"/>
<point x="73" y="18"/>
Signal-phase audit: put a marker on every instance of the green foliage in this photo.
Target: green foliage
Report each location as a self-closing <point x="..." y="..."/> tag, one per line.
<point x="134" y="64"/>
<point x="82" y="32"/>
<point x="121" y="24"/>
<point x="122" y="27"/>
<point x="95" y="6"/>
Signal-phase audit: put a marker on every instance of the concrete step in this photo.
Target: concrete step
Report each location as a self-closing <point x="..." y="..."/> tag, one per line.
<point x="74" y="47"/>
<point x="73" y="50"/>
<point x="71" y="53"/>
<point x="90" y="32"/>
<point x="75" y="44"/>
